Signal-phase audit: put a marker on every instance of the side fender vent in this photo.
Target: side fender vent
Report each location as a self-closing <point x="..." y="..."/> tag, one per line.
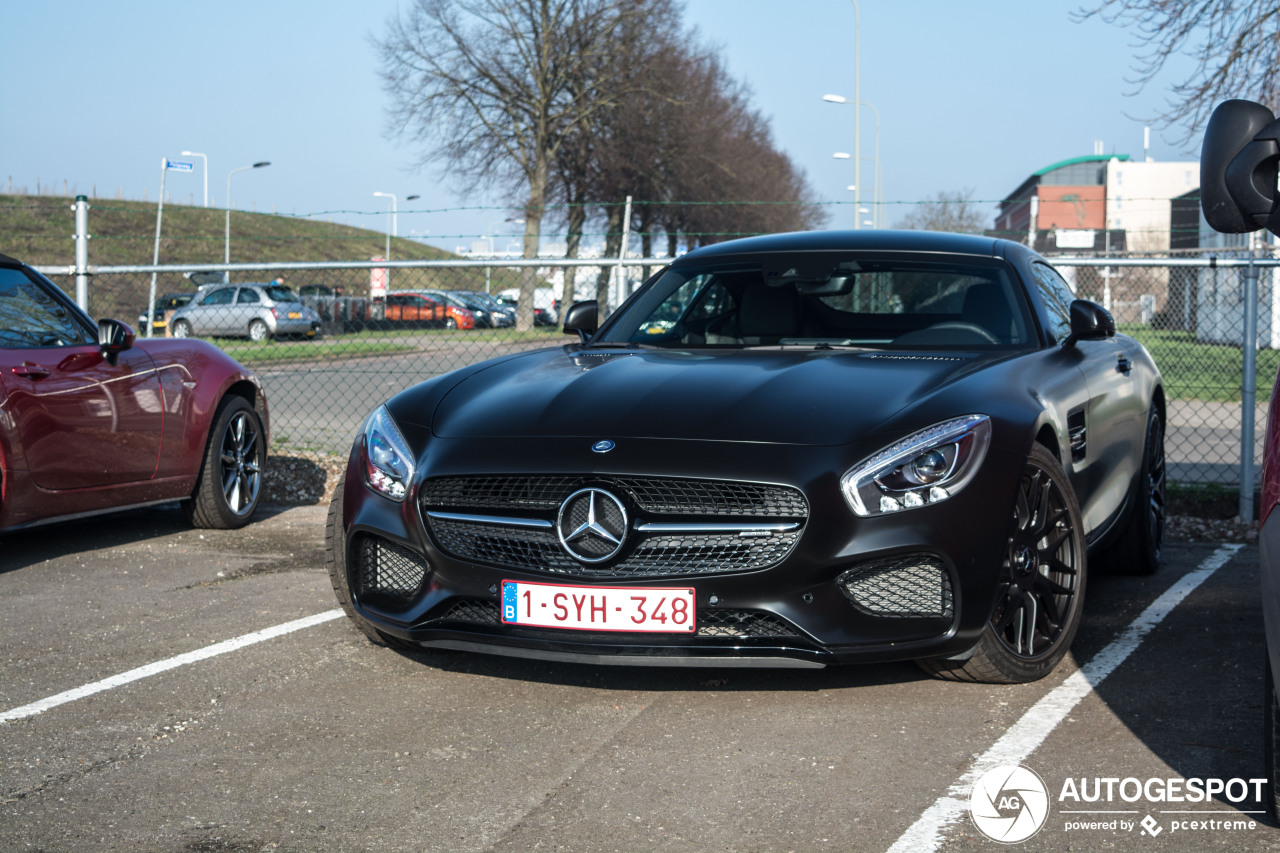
<point x="1078" y="432"/>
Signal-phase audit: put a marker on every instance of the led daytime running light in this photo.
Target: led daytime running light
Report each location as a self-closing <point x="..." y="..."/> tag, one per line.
<point x="890" y="480"/>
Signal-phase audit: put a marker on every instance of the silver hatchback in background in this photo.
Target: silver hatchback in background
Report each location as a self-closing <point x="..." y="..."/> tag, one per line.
<point x="254" y="310"/>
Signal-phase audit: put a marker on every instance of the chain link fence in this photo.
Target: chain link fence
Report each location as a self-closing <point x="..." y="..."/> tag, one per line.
<point x="344" y="352"/>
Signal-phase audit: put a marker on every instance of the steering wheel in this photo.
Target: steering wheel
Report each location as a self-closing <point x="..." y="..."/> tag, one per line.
<point x="925" y="335"/>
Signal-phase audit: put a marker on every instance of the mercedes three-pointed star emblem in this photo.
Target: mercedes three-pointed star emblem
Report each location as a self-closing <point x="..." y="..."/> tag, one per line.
<point x="592" y="525"/>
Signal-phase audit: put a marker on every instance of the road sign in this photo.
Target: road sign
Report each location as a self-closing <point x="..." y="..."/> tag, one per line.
<point x="179" y="166"/>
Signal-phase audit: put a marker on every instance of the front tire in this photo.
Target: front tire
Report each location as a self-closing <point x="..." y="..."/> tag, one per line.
<point x="181" y="329"/>
<point x="1041" y="587"/>
<point x="1141" y="544"/>
<point x="230" y="481"/>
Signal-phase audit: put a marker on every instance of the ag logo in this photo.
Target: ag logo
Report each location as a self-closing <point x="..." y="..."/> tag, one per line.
<point x="1009" y="804"/>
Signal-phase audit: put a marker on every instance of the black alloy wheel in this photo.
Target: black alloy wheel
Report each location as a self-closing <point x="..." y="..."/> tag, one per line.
<point x="1041" y="584"/>
<point x="1041" y="568"/>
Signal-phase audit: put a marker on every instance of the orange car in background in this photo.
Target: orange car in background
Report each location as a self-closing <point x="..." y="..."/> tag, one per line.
<point x="405" y="307"/>
<point x="411" y="306"/>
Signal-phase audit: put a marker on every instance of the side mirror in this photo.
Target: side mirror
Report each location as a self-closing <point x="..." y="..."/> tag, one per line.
<point x="114" y="338"/>
<point x="1238" y="167"/>
<point x="1089" y="322"/>
<point x="581" y="318"/>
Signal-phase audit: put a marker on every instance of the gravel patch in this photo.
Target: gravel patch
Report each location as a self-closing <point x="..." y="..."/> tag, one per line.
<point x="301" y="480"/>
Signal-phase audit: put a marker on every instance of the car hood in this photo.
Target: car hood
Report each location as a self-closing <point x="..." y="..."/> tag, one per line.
<point x="792" y="397"/>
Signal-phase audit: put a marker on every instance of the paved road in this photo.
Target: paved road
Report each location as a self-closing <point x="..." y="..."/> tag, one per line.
<point x="316" y="740"/>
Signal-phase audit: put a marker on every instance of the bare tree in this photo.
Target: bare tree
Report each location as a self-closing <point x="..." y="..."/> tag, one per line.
<point x="492" y="88"/>
<point x="1235" y="45"/>
<point x="955" y="212"/>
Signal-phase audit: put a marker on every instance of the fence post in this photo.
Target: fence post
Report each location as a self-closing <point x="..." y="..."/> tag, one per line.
<point x="82" y="252"/>
<point x="1248" y="390"/>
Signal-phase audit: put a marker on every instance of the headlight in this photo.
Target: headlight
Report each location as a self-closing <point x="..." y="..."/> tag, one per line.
<point x="388" y="464"/>
<point x="924" y="468"/>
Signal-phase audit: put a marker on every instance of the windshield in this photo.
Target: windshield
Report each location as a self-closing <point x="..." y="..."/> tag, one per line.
<point x="828" y="299"/>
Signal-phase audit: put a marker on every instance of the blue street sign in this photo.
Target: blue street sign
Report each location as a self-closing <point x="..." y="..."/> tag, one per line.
<point x="179" y="166"/>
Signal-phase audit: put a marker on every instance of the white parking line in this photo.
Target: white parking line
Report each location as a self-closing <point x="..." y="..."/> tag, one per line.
<point x="926" y="834"/>
<point x="171" y="663"/>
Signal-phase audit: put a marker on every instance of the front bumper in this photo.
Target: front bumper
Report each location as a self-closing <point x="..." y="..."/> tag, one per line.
<point x="790" y="611"/>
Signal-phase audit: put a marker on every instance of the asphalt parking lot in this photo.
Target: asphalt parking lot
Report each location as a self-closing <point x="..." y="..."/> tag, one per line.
<point x="312" y="739"/>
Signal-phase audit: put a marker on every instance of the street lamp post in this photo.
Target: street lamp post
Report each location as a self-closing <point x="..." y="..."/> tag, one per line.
<point x="392" y="216"/>
<point x="206" y="172"/>
<point x="876" y="197"/>
<point x="226" y="252"/>
<point x="493" y="251"/>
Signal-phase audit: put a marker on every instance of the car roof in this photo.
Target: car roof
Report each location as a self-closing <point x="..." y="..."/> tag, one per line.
<point x="869" y="240"/>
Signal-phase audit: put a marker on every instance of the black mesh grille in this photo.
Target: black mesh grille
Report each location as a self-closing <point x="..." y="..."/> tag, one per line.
<point x="498" y="493"/>
<point x="653" y="555"/>
<point x="738" y="624"/>
<point x="714" y="498"/>
<point x="387" y="569"/>
<point x="743" y="624"/>
<point x="645" y="553"/>
<point x="913" y="585"/>
<point x="656" y="495"/>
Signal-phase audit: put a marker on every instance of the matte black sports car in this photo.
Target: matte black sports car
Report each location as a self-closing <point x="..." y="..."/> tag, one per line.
<point x="794" y="450"/>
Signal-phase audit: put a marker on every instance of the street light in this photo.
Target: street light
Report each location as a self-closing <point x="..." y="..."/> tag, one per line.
<point x="493" y="250"/>
<point x="857" y="99"/>
<point x="392" y="214"/>
<point x="206" y="172"/>
<point x="857" y="182"/>
<point x="226" y="252"/>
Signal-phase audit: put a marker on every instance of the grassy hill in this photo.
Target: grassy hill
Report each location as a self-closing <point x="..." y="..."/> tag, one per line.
<point x="39" y="230"/>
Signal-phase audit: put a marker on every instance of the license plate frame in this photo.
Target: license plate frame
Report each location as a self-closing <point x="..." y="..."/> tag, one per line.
<point x="614" y="609"/>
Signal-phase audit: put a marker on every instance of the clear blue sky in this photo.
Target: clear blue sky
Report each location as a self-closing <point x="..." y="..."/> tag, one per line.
<point x="971" y="95"/>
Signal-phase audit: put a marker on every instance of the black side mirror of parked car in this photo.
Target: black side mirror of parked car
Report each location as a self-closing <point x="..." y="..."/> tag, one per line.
<point x="581" y="318"/>
<point x="1238" y="166"/>
<point x="1089" y="322"/>
<point x="114" y="338"/>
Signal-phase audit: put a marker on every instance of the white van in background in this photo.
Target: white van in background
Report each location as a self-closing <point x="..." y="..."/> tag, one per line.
<point x="544" y="303"/>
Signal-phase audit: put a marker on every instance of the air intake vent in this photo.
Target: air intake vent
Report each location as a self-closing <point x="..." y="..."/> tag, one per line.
<point x="914" y="585"/>
<point x="384" y="568"/>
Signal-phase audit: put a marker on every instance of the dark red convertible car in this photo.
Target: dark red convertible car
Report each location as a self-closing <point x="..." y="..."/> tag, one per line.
<point x="92" y="419"/>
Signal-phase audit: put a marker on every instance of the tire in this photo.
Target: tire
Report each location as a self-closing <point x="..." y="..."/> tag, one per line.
<point x="258" y="331"/>
<point x="1139" y="548"/>
<point x="1041" y="584"/>
<point x="181" y="329"/>
<point x="1271" y="743"/>
<point x="230" y="482"/>
<point x="450" y="323"/>
<point x="335" y="551"/>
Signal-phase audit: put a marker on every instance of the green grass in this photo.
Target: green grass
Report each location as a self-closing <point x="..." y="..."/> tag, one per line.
<point x="256" y="353"/>
<point x="1198" y="371"/>
<point x="375" y="342"/>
